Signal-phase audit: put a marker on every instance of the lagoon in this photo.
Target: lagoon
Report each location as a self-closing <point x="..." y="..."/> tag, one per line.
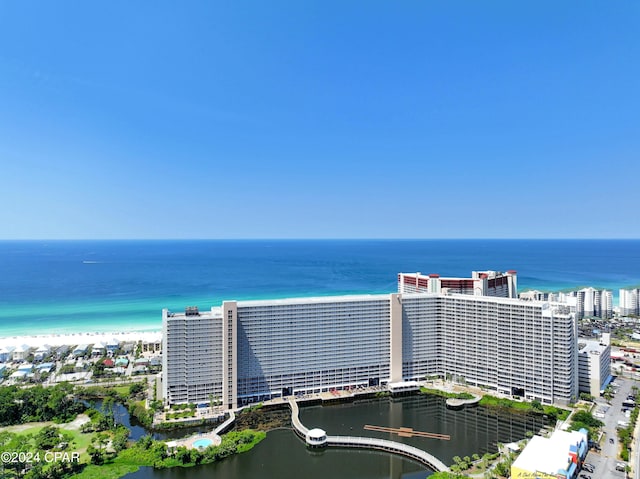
<point x="473" y="430"/>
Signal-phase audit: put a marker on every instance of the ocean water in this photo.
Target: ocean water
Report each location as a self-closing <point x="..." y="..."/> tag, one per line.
<point x="84" y="286"/>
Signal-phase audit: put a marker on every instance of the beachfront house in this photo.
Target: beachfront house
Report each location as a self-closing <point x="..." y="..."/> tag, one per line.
<point x="6" y="353"/>
<point x="62" y="352"/>
<point x="41" y="353"/>
<point x="20" y="353"/>
<point x="112" y="345"/>
<point x="98" y="350"/>
<point x="80" y="350"/>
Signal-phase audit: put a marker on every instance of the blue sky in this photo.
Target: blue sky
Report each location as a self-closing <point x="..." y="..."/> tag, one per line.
<point x="367" y="119"/>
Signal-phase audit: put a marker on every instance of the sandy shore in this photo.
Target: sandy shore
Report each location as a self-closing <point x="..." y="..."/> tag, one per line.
<point x="74" y="339"/>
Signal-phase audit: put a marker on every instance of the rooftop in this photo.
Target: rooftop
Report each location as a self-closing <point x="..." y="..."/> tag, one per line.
<point x="549" y="455"/>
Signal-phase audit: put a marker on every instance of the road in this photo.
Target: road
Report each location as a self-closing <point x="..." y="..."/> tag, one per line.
<point x="605" y="461"/>
<point x="635" y="452"/>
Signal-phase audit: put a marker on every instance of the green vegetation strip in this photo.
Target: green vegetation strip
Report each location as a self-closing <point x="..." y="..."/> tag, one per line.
<point x="585" y="420"/>
<point x="626" y="435"/>
<point x="446" y="394"/>
<point x="533" y="406"/>
<point x="147" y="452"/>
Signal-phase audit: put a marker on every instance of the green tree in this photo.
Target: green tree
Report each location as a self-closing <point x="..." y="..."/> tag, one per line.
<point x="145" y="442"/>
<point x="48" y="437"/>
<point x="108" y="407"/>
<point x="136" y="389"/>
<point x="502" y="469"/>
<point x="120" y="438"/>
<point x="185" y="456"/>
<point x="97" y="448"/>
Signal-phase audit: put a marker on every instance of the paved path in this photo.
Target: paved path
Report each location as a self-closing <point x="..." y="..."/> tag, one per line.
<point x="225" y="425"/>
<point x="371" y="443"/>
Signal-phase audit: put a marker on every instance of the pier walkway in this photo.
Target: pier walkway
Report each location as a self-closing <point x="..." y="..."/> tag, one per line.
<point x="225" y="425"/>
<point x="385" y="445"/>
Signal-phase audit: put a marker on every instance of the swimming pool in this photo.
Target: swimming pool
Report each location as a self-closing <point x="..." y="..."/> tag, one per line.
<point x="202" y="443"/>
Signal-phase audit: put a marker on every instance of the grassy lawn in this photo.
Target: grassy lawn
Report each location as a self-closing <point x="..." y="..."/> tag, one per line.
<point x="79" y="441"/>
<point x="122" y="390"/>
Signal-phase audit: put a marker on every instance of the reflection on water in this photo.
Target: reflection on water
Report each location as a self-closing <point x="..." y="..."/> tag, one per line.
<point x="283" y="455"/>
<point x="472" y="430"/>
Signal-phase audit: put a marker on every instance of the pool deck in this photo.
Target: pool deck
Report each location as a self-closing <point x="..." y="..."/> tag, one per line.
<point x="188" y="442"/>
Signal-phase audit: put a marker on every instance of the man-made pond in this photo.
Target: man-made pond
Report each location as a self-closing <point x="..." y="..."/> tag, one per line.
<point x="282" y="454"/>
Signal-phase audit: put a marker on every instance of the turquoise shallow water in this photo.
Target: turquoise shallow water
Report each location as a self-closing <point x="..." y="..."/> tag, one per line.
<point x="78" y="286"/>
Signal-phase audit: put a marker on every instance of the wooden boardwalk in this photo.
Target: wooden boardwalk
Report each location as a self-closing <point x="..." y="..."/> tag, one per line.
<point x="407" y="432"/>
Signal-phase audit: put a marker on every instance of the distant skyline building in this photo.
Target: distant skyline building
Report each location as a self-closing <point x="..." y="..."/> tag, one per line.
<point x="593" y="302"/>
<point x="481" y="283"/>
<point x="629" y="301"/>
<point x="586" y="302"/>
<point x="250" y="351"/>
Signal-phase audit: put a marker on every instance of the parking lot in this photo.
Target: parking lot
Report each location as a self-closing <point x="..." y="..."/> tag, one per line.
<point x="606" y="459"/>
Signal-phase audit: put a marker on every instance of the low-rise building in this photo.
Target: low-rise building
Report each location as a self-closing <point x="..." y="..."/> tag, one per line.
<point x="6" y="353"/>
<point x="80" y="350"/>
<point x="98" y="350"/>
<point x="153" y="345"/>
<point x="20" y="353"/>
<point x="112" y="345"/>
<point x="558" y="456"/>
<point x="41" y="353"/>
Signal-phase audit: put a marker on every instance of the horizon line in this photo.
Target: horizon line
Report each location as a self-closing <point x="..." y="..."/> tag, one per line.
<point x="519" y="238"/>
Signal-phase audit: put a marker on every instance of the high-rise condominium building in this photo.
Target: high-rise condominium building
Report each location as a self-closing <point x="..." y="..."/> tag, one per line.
<point x="630" y="301"/>
<point x="594" y="302"/>
<point x="249" y="351"/>
<point x="192" y="356"/>
<point x="481" y="283"/>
